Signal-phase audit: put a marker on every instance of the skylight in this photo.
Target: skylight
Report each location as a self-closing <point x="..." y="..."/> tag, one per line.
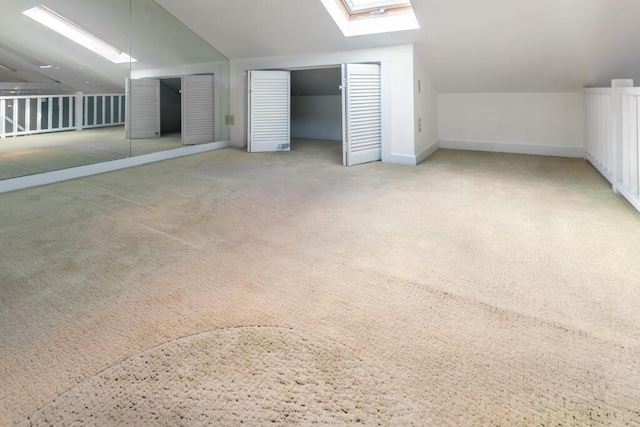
<point x="61" y="25"/>
<point x="356" y="6"/>
<point x="362" y="17"/>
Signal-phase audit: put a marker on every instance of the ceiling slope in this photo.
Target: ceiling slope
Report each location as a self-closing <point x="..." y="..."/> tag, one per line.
<point x="142" y="28"/>
<point x="470" y="45"/>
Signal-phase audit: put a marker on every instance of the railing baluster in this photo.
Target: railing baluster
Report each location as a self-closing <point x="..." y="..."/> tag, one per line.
<point x="626" y="136"/>
<point x="38" y="114"/>
<point x="95" y="110"/>
<point x="113" y="100"/>
<point x="86" y="111"/>
<point x="16" y="108"/>
<point x="633" y="147"/>
<point x="123" y="118"/>
<point x="633" y="143"/>
<point x="3" y="118"/>
<point x="27" y="115"/>
<point x="50" y="113"/>
<point x="60" y="112"/>
<point x="103" y="102"/>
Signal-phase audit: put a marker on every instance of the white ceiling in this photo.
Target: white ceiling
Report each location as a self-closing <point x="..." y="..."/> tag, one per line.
<point x="28" y="44"/>
<point x="156" y="40"/>
<point x="470" y="45"/>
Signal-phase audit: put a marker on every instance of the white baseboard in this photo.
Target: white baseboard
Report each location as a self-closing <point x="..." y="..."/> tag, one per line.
<point x="399" y="159"/>
<point x="631" y="198"/>
<point x="537" y="150"/>
<point x="410" y="159"/>
<point x="600" y="168"/>
<point x="98" y="168"/>
<point x="427" y="152"/>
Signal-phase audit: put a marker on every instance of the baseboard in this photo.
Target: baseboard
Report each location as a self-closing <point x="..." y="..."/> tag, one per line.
<point x="631" y="198"/>
<point x="410" y="159"/>
<point x="600" y="169"/>
<point x="537" y="150"/>
<point x="98" y="168"/>
<point x="427" y="152"/>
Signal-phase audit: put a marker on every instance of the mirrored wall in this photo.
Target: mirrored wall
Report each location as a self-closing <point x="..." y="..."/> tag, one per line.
<point x="134" y="81"/>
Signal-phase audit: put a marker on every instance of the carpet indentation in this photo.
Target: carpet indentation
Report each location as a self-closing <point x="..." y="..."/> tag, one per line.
<point x="248" y="375"/>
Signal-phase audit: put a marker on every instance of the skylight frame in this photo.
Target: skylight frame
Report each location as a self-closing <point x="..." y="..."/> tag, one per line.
<point x="58" y="23"/>
<point x="357" y="7"/>
<point x="397" y="16"/>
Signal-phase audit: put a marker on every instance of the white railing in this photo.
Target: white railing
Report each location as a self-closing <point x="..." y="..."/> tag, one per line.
<point x="103" y="110"/>
<point x="27" y="115"/>
<point x="613" y="137"/>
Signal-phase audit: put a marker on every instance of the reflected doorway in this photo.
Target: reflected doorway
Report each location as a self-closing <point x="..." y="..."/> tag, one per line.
<point x="171" y="106"/>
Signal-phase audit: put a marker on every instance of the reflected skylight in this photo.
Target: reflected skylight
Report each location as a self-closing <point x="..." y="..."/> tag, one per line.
<point x="61" y="25"/>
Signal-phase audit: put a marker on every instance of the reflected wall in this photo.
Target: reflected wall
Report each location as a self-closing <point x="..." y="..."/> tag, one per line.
<point x="169" y="52"/>
<point x="62" y="105"/>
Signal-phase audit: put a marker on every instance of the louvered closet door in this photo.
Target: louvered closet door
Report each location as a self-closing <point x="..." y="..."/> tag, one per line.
<point x="269" y="111"/>
<point x="362" y="115"/>
<point x="198" y="112"/>
<point x="143" y="108"/>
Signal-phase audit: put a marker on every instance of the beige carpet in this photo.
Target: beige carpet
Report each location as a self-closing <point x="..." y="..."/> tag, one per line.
<point x="252" y="375"/>
<point x="475" y="289"/>
<point x="32" y="154"/>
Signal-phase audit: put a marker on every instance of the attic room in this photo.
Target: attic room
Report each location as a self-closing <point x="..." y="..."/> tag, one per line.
<point x="376" y="212"/>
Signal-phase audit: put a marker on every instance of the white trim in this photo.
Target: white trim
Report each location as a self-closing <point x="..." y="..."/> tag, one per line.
<point x="400" y="159"/>
<point x="537" y="150"/>
<point x="413" y="160"/>
<point x="380" y="24"/>
<point x="427" y="152"/>
<point x="98" y="168"/>
<point x="631" y="198"/>
<point x="600" y="169"/>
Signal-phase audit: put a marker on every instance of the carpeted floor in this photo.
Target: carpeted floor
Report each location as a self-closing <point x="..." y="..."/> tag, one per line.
<point x="226" y="287"/>
<point x="32" y="154"/>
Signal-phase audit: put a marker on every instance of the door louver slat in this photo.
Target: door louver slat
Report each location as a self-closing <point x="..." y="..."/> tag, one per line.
<point x="363" y="115"/>
<point x="143" y="99"/>
<point x="199" y="109"/>
<point x="269" y="103"/>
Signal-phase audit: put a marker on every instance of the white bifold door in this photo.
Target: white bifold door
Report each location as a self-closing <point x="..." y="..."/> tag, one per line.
<point x="269" y="111"/>
<point x="143" y="108"/>
<point x="361" y="114"/>
<point x="198" y="109"/>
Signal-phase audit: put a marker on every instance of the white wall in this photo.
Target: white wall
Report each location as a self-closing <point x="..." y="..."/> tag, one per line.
<point x="426" y="110"/>
<point x="528" y="123"/>
<point x="316" y="117"/>
<point x="397" y="94"/>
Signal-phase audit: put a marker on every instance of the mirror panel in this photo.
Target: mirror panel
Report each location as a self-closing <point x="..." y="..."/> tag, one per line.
<point x="172" y="55"/>
<point x="62" y="105"/>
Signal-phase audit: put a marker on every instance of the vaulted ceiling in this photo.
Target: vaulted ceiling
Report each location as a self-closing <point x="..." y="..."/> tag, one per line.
<point x="469" y="45"/>
<point x="140" y="27"/>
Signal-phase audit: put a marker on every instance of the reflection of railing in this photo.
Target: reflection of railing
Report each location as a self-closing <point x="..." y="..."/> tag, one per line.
<point x="26" y="115"/>
<point x="103" y="110"/>
<point x="613" y="137"/>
